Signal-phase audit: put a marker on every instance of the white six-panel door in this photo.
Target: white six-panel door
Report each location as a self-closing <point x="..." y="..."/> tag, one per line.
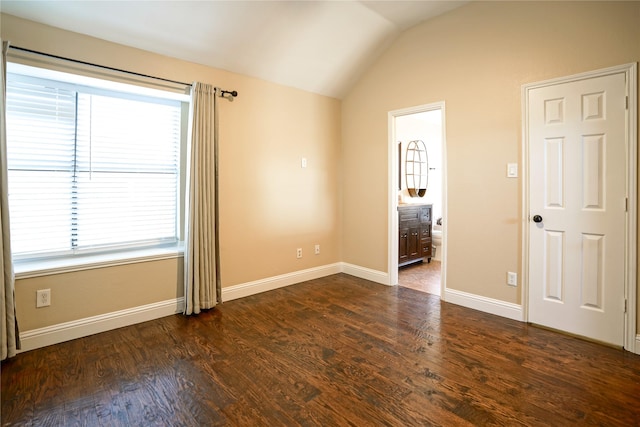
<point x="577" y="192"/>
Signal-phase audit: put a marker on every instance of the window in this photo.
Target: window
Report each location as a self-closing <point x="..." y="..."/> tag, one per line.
<point x="90" y="169"/>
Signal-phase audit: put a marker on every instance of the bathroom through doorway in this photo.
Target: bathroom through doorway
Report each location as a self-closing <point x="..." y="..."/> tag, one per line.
<point x="424" y="125"/>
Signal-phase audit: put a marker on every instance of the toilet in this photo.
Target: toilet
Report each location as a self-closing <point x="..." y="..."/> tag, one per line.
<point x="436" y="240"/>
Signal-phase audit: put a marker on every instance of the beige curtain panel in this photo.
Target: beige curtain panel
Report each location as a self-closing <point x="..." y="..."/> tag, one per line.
<point x="201" y="263"/>
<point x="10" y="341"/>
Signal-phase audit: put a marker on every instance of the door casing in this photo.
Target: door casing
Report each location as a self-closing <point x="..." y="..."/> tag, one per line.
<point x="630" y="274"/>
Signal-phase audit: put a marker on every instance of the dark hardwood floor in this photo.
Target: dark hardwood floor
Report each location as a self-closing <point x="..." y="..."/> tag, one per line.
<point x="337" y="351"/>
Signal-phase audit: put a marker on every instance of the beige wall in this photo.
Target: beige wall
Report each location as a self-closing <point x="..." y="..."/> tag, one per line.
<point x="87" y="293"/>
<point x="269" y="205"/>
<point x="475" y="58"/>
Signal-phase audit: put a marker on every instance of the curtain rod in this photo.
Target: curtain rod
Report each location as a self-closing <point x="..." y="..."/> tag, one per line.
<point x="233" y="93"/>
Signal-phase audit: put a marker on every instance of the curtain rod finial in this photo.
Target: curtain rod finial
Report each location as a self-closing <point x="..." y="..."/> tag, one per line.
<point x="228" y="94"/>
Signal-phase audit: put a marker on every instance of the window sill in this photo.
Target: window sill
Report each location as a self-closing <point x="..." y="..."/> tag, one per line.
<point x="27" y="269"/>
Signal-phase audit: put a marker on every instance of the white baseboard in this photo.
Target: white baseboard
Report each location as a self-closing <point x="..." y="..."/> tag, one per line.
<point x="487" y="305"/>
<point x="636" y="350"/>
<point x="263" y="285"/>
<point x="62" y="332"/>
<point x="366" y="273"/>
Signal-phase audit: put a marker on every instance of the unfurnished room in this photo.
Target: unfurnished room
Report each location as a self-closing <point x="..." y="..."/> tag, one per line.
<point x="319" y="213"/>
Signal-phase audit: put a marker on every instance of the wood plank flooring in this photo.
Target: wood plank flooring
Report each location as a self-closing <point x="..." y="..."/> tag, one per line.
<point x="421" y="276"/>
<point x="337" y="351"/>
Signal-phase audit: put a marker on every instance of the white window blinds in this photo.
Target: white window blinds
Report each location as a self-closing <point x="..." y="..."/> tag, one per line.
<point x="90" y="169"/>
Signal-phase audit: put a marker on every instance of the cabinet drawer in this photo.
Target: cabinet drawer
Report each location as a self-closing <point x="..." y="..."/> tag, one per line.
<point x="408" y="215"/>
<point x="425" y="246"/>
<point x="425" y="232"/>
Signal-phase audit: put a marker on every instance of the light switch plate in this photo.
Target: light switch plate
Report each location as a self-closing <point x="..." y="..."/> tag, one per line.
<point x="512" y="170"/>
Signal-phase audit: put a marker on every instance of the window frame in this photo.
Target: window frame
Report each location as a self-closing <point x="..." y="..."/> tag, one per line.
<point x="28" y="265"/>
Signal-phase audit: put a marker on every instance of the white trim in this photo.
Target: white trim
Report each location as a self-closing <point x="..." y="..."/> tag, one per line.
<point x="242" y="290"/>
<point x="62" y="332"/>
<point x="524" y="220"/>
<point x="28" y="269"/>
<point x="636" y="350"/>
<point x="367" y="273"/>
<point x="392" y="239"/>
<point x="484" y="304"/>
<point x="631" y="73"/>
<point x="445" y="222"/>
<point x="392" y="201"/>
<point x="465" y="299"/>
<point x="95" y="86"/>
<point x="37" y="65"/>
<point x="631" y="292"/>
<point x="55" y="334"/>
<point x="80" y="328"/>
<point x="66" y="331"/>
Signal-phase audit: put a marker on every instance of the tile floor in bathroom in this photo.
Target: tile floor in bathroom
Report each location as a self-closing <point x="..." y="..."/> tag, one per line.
<point x="421" y="276"/>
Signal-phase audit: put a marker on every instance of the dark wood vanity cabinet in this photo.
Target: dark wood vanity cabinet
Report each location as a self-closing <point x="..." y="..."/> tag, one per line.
<point x="414" y="223"/>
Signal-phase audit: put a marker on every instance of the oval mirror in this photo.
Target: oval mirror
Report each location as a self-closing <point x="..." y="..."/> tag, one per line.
<point x="417" y="168"/>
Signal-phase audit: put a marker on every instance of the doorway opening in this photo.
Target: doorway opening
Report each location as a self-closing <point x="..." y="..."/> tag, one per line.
<point x="425" y="123"/>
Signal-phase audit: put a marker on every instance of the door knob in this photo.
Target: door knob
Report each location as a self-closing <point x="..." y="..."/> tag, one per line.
<point x="537" y="218"/>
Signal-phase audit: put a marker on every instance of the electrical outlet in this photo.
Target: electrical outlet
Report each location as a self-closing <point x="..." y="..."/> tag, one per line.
<point x="512" y="278"/>
<point x="317" y="249"/>
<point x="43" y="298"/>
<point x="299" y="253"/>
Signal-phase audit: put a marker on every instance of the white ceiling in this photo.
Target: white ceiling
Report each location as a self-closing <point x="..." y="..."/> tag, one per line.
<point x="318" y="46"/>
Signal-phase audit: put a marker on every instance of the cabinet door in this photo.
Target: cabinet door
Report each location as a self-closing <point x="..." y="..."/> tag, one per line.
<point x="414" y="243"/>
<point x="403" y="245"/>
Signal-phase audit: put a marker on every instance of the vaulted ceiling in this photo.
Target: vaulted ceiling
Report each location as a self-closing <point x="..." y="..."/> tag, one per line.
<point x="318" y="46"/>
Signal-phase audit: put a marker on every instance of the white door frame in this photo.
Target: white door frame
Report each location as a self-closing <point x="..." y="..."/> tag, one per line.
<point x="630" y="287"/>
<point x="392" y="263"/>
